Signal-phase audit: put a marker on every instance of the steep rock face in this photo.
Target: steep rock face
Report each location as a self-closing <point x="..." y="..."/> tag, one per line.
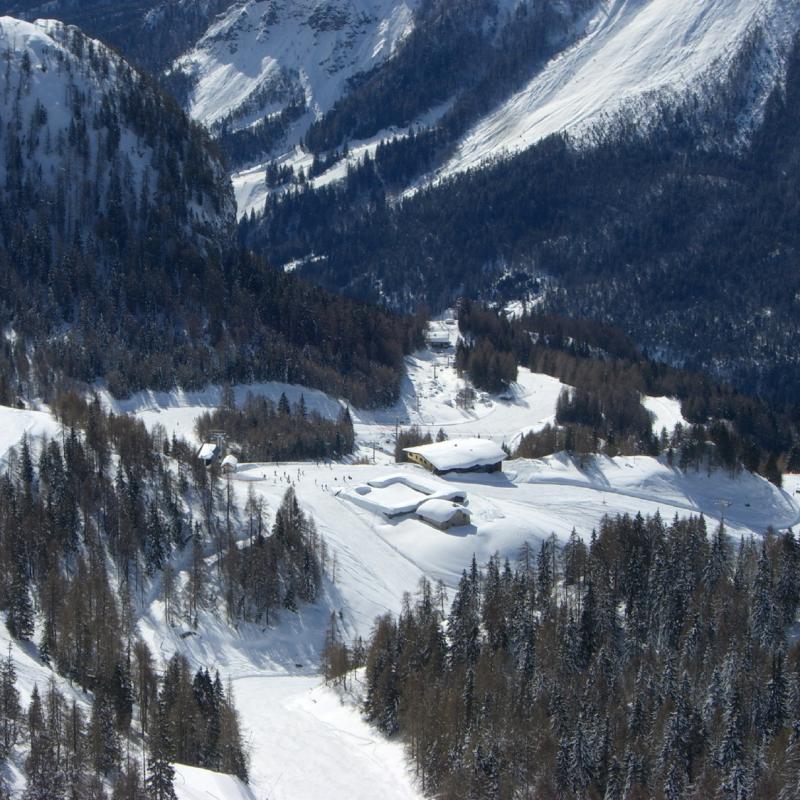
<point x="262" y="54"/>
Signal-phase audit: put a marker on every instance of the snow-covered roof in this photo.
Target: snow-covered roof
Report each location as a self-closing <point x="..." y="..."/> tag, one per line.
<point x="207" y="451"/>
<point x="230" y="461"/>
<point x="439" y="337"/>
<point x="392" y="500"/>
<point x="460" y="453"/>
<point x="441" y="511"/>
<point x="430" y="486"/>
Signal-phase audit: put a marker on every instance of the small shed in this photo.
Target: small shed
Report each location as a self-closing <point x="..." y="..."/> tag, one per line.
<point x="438" y="340"/>
<point x="230" y="464"/>
<point x="443" y="514"/>
<point x="208" y="453"/>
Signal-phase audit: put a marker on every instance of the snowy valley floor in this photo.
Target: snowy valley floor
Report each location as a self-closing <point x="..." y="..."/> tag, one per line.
<point x="306" y="743"/>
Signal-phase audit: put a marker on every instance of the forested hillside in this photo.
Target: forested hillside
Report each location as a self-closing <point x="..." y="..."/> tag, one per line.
<point x="656" y="662"/>
<point x="117" y="253"/>
<point x="689" y="248"/>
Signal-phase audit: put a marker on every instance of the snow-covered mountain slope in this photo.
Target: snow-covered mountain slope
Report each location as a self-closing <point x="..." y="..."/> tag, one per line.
<point x="261" y="54"/>
<point x="92" y="132"/>
<point x="151" y="33"/>
<point x="634" y="55"/>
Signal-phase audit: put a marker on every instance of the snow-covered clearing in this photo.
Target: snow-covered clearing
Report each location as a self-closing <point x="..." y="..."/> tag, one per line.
<point x="305" y="744"/>
<point x="666" y="412"/>
<point x="16" y="423"/>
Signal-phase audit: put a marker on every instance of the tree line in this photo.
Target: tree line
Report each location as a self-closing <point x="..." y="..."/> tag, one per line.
<point x="264" y="431"/>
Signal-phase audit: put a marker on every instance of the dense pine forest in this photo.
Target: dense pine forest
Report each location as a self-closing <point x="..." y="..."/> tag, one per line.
<point x="656" y="661"/>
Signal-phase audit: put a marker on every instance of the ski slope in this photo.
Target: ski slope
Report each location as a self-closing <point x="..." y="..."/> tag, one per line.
<point x="633" y="51"/>
<point x="312" y="743"/>
<point x="307" y="740"/>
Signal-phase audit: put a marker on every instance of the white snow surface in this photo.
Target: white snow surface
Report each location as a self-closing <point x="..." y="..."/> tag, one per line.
<point x="16" y="423"/>
<point x="176" y="411"/>
<point x="313" y="744"/>
<point x="632" y="53"/>
<point x="666" y="413"/>
<point x="193" y="783"/>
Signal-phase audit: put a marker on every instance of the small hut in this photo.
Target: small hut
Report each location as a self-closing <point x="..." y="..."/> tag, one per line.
<point x="229" y="464"/>
<point x="208" y="453"/>
<point x="443" y="514"/>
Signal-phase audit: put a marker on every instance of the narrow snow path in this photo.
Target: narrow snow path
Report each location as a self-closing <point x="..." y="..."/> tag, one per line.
<point x="307" y="744"/>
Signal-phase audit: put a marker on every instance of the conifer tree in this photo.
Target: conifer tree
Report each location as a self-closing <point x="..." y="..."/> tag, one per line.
<point x="20" y="612"/>
<point x="9" y="705"/>
<point x="160" y="772"/>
